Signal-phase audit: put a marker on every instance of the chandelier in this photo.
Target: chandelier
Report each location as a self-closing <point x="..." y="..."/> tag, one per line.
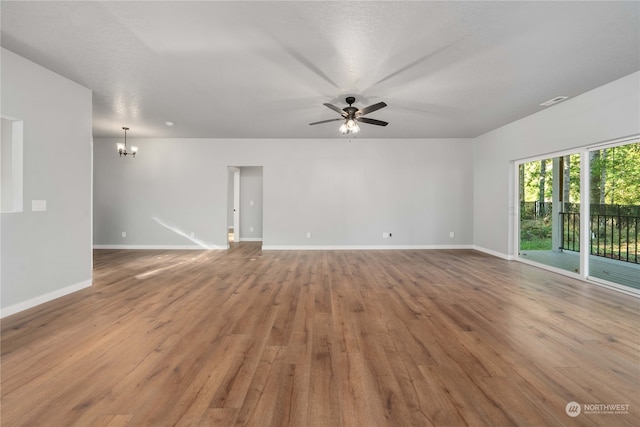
<point x="122" y="148"/>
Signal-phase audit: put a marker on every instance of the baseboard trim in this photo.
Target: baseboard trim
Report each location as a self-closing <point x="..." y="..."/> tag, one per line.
<point x="361" y="247"/>
<point x="162" y="247"/>
<point x="251" y="239"/>
<point x="494" y="253"/>
<point x="16" y="308"/>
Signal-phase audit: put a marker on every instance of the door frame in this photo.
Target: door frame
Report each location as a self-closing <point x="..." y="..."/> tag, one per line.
<point x="234" y="199"/>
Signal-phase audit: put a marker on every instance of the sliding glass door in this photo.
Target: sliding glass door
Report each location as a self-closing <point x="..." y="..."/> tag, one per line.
<point x="614" y="217"/>
<point x="594" y="235"/>
<point x="549" y="196"/>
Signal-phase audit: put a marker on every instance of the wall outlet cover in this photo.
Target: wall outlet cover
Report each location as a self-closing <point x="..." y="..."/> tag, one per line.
<point x="38" y="205"/>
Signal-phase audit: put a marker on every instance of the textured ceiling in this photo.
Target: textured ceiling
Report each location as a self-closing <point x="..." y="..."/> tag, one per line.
<point x="263" y="69"/>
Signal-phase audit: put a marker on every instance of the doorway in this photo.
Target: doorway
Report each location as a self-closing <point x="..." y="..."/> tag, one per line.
<point x="549" y="208"/>
<point x="233" y="204"/>
<point x="244" y="204"/>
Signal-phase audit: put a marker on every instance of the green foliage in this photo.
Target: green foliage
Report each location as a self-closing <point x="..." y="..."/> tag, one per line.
<point x="615" y="177"/>
<point x="574" y="178"/>
<point x="536" y="245"/>
<point x="532" y="177"/>
<point x="535" y="234"/>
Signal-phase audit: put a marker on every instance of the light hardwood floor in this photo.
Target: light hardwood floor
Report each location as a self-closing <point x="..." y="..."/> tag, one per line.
<point x="321" y="338"/>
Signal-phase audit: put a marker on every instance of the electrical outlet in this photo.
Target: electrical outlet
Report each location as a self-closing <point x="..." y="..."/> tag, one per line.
<point x="193" y="234"/>
<point x="451" y="234"/>
<point x="251" y="229"/>
<point x="386" y="235"/>
<point x="38" y="205"/>
<point x="124" y="234"/>
<point x="308" y="234"/>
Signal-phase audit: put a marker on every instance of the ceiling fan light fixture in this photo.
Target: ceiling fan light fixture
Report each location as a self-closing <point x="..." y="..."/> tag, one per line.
<point x="352" y="114"/>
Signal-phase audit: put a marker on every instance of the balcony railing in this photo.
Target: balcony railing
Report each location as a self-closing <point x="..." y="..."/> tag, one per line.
<point x="613" y="236"/>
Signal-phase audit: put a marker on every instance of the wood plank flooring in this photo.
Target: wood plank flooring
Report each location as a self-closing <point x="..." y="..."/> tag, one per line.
<point x="321" y="338"/>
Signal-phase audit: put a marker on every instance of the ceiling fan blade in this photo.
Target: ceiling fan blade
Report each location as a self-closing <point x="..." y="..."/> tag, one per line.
<point x="326" y="121"/>
<point x="371" y="121"/>
<point x="336" y="109"/>
<point x="371" y="108"/>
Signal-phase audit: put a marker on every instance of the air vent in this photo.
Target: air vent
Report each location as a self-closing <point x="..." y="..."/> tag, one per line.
<point x="554" y="101"/>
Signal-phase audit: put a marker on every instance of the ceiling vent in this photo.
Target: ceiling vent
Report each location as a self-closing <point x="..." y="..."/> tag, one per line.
<point x="554" y="101"/>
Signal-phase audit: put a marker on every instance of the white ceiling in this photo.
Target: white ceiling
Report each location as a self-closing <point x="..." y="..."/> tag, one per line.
<point x="263" y="69"/>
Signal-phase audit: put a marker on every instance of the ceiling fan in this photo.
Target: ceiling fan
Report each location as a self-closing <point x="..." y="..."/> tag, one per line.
<point x="351" y="115"/>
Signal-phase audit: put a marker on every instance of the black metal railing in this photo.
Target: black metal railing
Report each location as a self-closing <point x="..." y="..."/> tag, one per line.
<point x="538" y="210"/>
<point x="570" y="239"/>
<point x="615" y="237"/>
<point x="612" y="235"/>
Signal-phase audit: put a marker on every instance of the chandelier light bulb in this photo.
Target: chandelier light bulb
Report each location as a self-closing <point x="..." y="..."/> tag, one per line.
<point x="349" y="126"/>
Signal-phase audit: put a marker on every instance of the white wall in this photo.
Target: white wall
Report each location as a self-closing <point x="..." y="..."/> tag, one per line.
<point x="47" y="254"/>
<point x="608" y="112"/>
<point x="345" y="193"/>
